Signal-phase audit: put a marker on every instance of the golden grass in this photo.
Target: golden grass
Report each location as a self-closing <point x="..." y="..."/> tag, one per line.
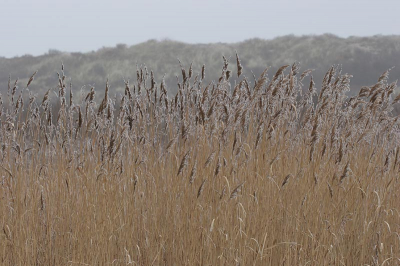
<point x="264" y="173"/>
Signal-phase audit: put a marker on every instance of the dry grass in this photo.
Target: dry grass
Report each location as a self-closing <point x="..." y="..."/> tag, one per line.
<point x="263" y="173"/>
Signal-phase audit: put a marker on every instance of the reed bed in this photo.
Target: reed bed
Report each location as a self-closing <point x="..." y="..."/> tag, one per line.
<point x="271" y="170"/>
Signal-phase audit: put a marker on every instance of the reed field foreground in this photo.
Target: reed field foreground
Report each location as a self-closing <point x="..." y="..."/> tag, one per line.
<point x="267" y="171"/>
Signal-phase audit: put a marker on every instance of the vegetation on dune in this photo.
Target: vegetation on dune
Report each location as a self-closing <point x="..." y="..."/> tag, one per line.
<point x="270" y="172"/>
<point x="365" y="58"/>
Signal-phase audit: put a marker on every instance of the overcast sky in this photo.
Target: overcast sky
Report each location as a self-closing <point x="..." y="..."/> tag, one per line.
<point x="34" y="27"/>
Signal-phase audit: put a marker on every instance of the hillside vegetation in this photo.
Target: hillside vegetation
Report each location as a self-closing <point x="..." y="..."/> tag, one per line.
<point x="365" y="58"/>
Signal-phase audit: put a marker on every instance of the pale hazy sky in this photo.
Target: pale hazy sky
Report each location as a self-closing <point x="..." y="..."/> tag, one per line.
<point x="34" y="27"/>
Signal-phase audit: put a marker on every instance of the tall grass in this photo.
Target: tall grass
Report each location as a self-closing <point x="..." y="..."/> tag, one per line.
<point x="270" y="171"/>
